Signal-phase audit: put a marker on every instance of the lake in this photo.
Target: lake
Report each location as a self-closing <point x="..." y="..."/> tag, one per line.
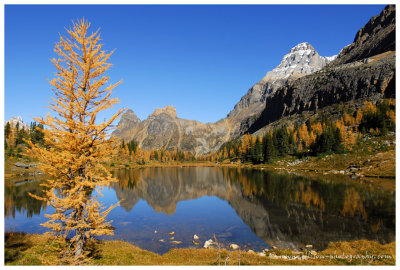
<point x="255" y="209"/>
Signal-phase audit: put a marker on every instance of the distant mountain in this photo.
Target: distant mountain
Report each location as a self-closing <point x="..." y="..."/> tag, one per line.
<point x="163" y="128"/>
<point x="17" y="120"/>
<point x="303" y="81"/>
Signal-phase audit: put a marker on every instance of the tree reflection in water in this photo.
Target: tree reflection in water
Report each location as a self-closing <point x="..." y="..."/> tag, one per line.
<point x="287" y="211"/>
<point x="284" y="210"/>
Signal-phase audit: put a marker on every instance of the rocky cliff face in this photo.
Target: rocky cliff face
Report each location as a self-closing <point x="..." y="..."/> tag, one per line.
<point x="164" y="130"/>
<point x="348" y="79"/>
<point x="302" y="60"/>
<point x="369" y="80"/>
<point x="128" y="121"/>
<point x="376" y="37"/>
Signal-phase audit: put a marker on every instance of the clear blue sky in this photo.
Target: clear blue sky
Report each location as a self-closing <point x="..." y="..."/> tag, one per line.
<point x="200" y="59"/>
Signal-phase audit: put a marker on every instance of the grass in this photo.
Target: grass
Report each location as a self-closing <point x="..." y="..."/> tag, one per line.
<point x="31" y="249"/>
<point x="12" y="171"/>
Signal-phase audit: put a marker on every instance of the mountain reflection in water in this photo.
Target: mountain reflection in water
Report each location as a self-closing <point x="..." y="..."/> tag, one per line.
<point x="286" y="211"/>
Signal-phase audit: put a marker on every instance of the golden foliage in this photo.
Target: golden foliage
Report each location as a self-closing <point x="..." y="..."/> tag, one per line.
<point x="304" y="135"/>
<point x="246" y="143"/>
<point x="348" y="135"/>
<point x="392" y="102"/>
<point x="317" y="128"/>
<point x="76" y="146"/>
<point x="348" y="120"/>
<point x="359" y="116"/>
<point x="12" y="136"/>
<point x="353" y="204"/>
<point x="309" y="197"/>
<point x="369" y="107"/>
<point x="392" y="115"/>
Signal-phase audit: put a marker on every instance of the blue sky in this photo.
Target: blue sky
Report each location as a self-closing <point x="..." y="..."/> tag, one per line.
<point x="200" y="59"/>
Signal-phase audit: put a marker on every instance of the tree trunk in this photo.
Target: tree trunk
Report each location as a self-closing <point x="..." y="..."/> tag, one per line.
<point x="80" y="242"/>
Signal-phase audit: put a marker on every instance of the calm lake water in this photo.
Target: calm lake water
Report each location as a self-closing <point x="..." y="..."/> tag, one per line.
<point x="252" y="208"/>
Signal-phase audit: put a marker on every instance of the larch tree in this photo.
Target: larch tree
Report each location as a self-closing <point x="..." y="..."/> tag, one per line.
<point x="76" y="145"/>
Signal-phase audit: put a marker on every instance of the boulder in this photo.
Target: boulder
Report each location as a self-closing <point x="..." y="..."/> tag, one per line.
<point x="208" y="243"/>
<point x="234" y="246"/>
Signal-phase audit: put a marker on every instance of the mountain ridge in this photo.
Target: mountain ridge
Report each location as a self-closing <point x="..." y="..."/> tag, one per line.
<point x="303" y="81"/>
<point x="360" y="72"/>
<point x="301" y="60"/>
<point x="164" y="122"/>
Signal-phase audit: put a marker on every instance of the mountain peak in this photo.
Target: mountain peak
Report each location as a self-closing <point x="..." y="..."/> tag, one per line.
<point x="169" y="110"/>
<point x="301" y="60"/>
<point x="130" y="114"/>
<point x="302" y="47"/>
<point x="17" y="119"/>
<point x="128" y="118"/>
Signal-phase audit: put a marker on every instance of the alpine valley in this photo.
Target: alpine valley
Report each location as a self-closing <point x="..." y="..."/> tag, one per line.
<point x="301" y="171"/>
<point x="303" y="85"/>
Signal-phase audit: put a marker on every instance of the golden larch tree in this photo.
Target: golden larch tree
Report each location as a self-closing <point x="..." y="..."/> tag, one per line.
<point x="76" y="145"/>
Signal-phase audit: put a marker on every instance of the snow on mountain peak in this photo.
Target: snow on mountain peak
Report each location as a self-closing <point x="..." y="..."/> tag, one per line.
<point x="331" y="58"/>
<point x="301" y="60"/>
<point x="302" y="47"/>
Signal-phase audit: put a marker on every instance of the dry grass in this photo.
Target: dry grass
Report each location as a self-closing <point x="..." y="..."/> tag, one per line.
<point x="11" y="171"/>
<point x="21" y="249"/>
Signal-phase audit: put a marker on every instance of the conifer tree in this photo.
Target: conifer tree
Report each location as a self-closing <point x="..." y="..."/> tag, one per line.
<point x="20" y="136"/>
<point x="281" y="139"/>
<point x="258" y="151"/>
<point x="268" y="147"/>
<point x="76" y="145"/>
<point x="7" y="130"/>
<point x="330" y="140"/>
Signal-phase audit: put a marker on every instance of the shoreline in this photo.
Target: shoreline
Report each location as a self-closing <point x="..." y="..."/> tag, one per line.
<point x="36" y="249"/>
<point x="343" y="168"/>
<point x="354" y="169"/>
<point x="372" y="160"/>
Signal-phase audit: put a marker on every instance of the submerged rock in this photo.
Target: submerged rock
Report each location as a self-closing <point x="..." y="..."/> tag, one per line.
<point x="176" y="242"/>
